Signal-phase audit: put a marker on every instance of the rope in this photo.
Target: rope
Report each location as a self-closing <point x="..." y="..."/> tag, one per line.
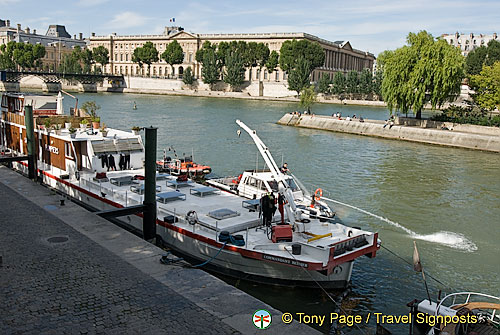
<point x="327" y="294"/>
<point x="211" y="259"/>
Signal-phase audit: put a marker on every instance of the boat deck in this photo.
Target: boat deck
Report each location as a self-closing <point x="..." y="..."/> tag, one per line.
<point x="244" y="221"/>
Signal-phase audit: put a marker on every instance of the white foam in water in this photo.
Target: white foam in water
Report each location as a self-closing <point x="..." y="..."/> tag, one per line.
<point x="447" y="238"/>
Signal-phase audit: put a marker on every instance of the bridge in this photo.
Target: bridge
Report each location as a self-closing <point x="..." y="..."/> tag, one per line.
<point x="54" y="81"/>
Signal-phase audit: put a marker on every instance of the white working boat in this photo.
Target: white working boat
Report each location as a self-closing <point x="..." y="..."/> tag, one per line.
<point x="254" y="184"/>
<point x="202" y="223"/>
<point x="461" y="313"/>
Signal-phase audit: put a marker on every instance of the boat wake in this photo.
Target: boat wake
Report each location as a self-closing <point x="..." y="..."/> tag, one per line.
<point x="447" y="238"/>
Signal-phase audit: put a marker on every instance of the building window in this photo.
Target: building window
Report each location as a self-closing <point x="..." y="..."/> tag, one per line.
<point x="190" y="58"/>
<point x="265" y="74"/>
<point x="126" y="57"/>
<point x="159" y="71"/>
<point x="121" y="57"/>
<point x="116" y="57"/>
<point x="285" y="75"/>
<point x="277" y="77"/>
<point x="257" y="75"/>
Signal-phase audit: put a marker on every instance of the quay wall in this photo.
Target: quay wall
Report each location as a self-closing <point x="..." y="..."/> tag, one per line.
<point x="463" y="128"/>
<point x="398" y="132"/>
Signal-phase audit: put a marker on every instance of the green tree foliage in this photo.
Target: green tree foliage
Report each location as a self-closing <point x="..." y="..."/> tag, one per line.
<point x="298" y="77"/>
<point x="272" y="62"/>
<point x="425" y="70"/>
<point x="101" y="55"/>
<point x="24" y="56"/>
<point x="308" y="97"/>
<point x="484" y="55"/>
<point x="338" y="83"/>
<point x="234" y="74"/>
<point x="210" y="70"/>
<point x="324" y="84"/>
<point x="173" y="54"/>
<point x="487" y="87"/>
<point x="188" y="77"/>
<point x="87" y="58"/>
<point x="147" y="54"/>
<point x="366" y="81"/>
<point x="377" y="83"/>
<point x="475" y="60"/>
<point x="467" y="115"/>
<point x="292" y="50"/>
<point x="90" y="108"/>
<point x="70" y="63"/>
<point x="256" y="55"/>
<point x="352" y="82"/>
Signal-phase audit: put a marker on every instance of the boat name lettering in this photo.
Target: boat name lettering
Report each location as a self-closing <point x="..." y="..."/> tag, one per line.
<point x="54" y="150"/>
<point x="285" y="261"/>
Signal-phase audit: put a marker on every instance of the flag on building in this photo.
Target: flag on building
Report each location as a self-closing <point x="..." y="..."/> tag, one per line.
<point x="172" y="19"/>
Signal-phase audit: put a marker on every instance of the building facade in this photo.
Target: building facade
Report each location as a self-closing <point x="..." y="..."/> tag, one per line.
<point x="339" y="55"/>
<point x="467" y="43"/>
<point x="57" y="41"/>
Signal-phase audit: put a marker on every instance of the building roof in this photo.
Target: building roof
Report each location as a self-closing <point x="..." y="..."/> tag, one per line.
<point x="56" y="30"/>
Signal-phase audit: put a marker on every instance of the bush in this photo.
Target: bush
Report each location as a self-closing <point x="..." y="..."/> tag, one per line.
<point x="467" y="115"/>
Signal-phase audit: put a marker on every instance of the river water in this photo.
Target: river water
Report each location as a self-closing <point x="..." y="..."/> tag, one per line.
<point x="445" y="199"/>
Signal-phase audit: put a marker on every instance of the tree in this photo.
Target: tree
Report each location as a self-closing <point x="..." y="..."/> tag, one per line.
<point x="425" y="70"/>
<point x="475" y="60"/>
<point x="487" y="87"/>
<point x="209" y="71"/>
<point x="173" y="54"/>
<point x="235" y="71"/>
<point x="87" y="59"/>
<point x="377" y="83"/>
<point x="292" y="50"/>
<point x="352" y="82"/>
<point x="188" y="77"/>
<point x="147" y="54"/>
<point x="493" y="54"/>
<point x="272" y="62"/>
<point x="338" y="83"/>
<point x="324" y="84"/>
<point x="256" y="55"/>
<point x="298" y="77"/>
<point x="90" y="108"/>
<point x="101" y="55"/>
<point x="366" y="81"/>
<point x="307" y="97"/>
<point x="25" y="56"/>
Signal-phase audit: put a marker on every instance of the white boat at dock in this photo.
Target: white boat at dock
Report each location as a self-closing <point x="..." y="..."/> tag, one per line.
<point x="203" y="223"/>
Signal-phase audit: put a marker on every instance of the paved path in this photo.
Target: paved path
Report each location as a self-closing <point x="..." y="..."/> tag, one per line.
<point x="103" y="279"/>
<point x="78" y="286"/>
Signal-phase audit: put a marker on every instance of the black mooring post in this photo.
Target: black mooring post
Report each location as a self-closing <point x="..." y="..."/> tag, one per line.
<point x="31" y="145"/>
<point x="149" y="218"/>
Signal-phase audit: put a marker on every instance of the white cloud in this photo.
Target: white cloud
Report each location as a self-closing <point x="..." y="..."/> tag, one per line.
<point x="127" y="20"/>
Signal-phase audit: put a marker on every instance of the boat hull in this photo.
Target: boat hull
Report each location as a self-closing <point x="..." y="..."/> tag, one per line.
<point x="227" y="262"/>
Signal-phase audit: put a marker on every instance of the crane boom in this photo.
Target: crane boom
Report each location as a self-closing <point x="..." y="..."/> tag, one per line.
<point x="283" y="186"/>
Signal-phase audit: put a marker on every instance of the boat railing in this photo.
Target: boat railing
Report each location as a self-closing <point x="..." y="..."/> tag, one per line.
<point x="463" y="298"/>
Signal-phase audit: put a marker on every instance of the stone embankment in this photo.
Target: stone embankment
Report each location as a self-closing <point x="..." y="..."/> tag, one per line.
<point x="462" y="136"/>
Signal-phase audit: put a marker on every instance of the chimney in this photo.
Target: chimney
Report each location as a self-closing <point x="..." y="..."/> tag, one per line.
<point x="27" y="30"/>
<point x="93" y="34"/>
<point x="18" y="27"/>
<point x="80" y="35"/>
<point x="74" y="36"/>
<point x="8" y="23"/>
<point x="34" y="31"/>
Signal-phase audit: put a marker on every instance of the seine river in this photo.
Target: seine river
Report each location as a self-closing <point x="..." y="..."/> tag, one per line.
<point x="445" y="199"/>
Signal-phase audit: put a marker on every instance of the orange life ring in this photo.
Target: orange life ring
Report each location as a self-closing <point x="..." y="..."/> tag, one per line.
<point x="318" y="194"/>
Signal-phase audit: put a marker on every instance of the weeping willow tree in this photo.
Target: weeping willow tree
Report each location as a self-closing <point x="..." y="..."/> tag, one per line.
<point x="425" y="70"/>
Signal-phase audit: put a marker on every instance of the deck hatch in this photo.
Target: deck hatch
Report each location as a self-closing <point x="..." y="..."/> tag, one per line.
<point x="223" y="213"/>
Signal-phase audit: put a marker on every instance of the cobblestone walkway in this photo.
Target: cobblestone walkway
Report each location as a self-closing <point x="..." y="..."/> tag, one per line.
<point x="75" y="286"/>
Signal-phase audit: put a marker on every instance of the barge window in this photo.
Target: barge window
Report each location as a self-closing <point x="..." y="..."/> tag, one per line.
<point x="67" y="150"/>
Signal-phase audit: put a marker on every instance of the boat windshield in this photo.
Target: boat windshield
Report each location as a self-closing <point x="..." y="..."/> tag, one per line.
<point x="274" y="185"/>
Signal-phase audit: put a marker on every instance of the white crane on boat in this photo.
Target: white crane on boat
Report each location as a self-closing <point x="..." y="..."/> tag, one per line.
<point x="294" y="214"/>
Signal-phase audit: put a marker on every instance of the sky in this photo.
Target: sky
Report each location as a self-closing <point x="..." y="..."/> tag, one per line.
<point x="369" y="25"/>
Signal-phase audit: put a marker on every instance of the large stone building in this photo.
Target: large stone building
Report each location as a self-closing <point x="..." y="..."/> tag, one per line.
<point x="340" y="56"/>
<point x="467" y="43"/>
<point x="57" y="41"/>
